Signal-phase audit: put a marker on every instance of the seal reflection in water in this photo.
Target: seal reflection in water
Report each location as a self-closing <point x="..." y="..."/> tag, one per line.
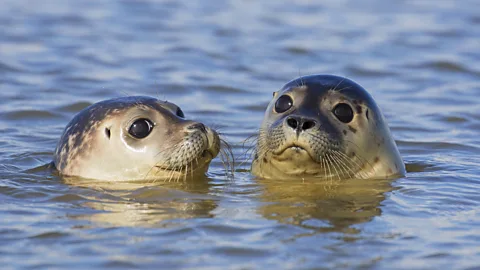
<point x="328" y="127"/>
<point x="135" y="138"/>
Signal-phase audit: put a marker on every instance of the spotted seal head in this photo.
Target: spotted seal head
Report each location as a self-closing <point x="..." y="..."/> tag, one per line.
<point x="328" y="127"/>
<point x="134" y="138"/>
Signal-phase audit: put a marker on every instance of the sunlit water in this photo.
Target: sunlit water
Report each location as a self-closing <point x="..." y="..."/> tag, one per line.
<point x="220" y="61"/>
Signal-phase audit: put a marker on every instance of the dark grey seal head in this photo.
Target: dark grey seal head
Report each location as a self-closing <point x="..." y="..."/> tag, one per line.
<point x="134" y="138"/>
<point x="325" y="126"/>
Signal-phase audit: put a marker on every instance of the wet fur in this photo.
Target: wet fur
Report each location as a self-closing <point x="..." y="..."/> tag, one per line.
<point x="85" y="148"/>
<point x="362" y="148"/>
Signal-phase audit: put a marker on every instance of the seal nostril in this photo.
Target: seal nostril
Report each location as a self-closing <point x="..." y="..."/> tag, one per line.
<point x="198" y="126"/>
<point x="308" y="125"/>
<point x="293" y="123"/>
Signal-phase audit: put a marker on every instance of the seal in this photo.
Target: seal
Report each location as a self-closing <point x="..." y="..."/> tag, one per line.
<point x="134" y="138"/>
<point x="325" y="126"/>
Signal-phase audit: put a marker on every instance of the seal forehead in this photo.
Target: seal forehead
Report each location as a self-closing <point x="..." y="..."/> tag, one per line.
<point x="319" y="85"/>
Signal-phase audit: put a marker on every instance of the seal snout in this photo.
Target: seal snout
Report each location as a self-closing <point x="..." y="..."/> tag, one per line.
<point x="208" y="144"/>
<point x="197" y="126"/>
<point x="299" y="123"/>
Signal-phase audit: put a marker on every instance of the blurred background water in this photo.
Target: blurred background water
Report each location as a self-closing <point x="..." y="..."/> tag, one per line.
<point x="220" y="61"/>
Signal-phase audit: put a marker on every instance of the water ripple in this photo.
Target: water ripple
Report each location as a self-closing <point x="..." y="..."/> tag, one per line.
<point x="220" y="61"/>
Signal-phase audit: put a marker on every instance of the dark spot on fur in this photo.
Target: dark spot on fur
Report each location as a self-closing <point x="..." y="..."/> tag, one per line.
<point x="376" y="159"/>
<point x="390" y="170"/>
<point x="352" y="154"/>
<point x="396" y="167"/>
<point x="366" y="113"/>
<point x="255" y="157"/>
<point x="265" y="160"/>
<point x="352" y="129"/>
<point x="344" y="132"/>
<point x="359" y="109"/>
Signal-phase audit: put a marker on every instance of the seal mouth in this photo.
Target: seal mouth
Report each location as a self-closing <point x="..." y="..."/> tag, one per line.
<point x="294" y="147"/>
<point x="193" y="164"/>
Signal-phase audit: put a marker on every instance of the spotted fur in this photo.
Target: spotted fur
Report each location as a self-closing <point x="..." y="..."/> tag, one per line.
<point x="331" y="149"/>
<point x="96" y="143"/>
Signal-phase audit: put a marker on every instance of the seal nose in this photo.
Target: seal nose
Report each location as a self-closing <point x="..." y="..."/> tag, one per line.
<point x="299" y="123"/>
<point x="197" y="126"/>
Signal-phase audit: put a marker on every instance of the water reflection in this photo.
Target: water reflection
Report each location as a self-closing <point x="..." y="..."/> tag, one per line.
<point x="323" y="206"/>
<point x="145" y="204"/>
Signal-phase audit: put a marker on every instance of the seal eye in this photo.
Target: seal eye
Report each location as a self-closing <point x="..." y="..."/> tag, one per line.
<point x="180" y="113"/>
<point x="343" y="112"/>
<point x="140" y="128"/>
<point x="283" y="104"/>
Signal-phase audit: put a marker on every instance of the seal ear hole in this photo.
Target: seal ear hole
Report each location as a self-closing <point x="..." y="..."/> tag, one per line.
<point x="107" y="133"/>
<point x="343" y="112"/>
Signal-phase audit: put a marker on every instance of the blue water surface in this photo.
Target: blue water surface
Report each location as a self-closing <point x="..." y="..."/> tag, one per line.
<point x="220" y="61"/>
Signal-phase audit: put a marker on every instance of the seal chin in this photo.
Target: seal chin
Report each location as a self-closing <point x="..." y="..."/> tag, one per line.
<point x="294" y="155"/>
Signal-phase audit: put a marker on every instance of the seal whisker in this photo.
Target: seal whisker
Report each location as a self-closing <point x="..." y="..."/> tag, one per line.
<point x="191" y="169"/>
<point x="324" y="165"/>
<point x="345" y="88"/>
<point x="196" y="161"/>
<point x="333" y="165"/>
<point x="179" y="176"/>
<point x="354" y="162"/>
<point x="331" y="174"/>
<point x="351" y="165"/>
<point x="341" y="168"/>
<point x="341" y="163"/>
<point x="172" y="173"/>
<point x="224" y="161"/>
<point x="256" y="147"/>
<point x="175" y="175"/>
<point x="227" y="152"/>
<point x="253" y="138"/>
<point x="246" y="155"/>
<point x="361" y="158"/>
<point x="338" y="84"/>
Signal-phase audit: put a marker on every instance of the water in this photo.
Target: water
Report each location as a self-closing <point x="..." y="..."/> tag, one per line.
<point x="220" y="61"/>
